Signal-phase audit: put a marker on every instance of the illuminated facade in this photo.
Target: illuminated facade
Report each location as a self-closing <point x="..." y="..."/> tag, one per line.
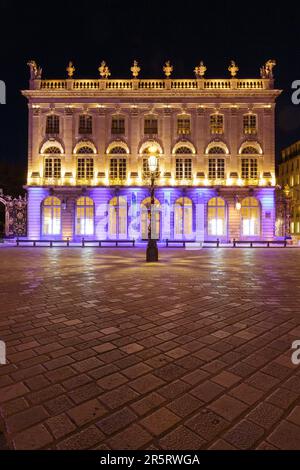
<point x="89" y="141"/>
<point x="289" y="180"/>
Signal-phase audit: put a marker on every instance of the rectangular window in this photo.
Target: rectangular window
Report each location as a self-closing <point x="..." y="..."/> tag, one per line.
<point x="183" y="168"/>
<point x="183" y="126"/>
<point x="52" y="124"/>
<point x="150" y="126"/>
<point x="52" y="168"/>
<point x="85" y="168"/>
<point x="216" y="123"/>
<point x="85" y="124"/>
<point x="118" y="126"/>
<point x="216" y="168"/>
<point x="249" y="168"/>
<point x="249" y="123"/>
<point x="117" y="168"/>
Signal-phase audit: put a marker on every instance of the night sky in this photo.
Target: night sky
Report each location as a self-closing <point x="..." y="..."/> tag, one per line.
<point x="185" y="32"/>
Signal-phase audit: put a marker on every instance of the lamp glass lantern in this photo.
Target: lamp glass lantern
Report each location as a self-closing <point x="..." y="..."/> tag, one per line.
<point x="152" y="163"/>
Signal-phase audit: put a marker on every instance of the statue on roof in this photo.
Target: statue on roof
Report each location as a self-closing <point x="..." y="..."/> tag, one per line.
<point x="35" y="70"/>
<point x="266" y="71"/>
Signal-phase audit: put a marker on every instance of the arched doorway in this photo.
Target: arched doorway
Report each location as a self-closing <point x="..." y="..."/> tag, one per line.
<point x="3" y="218"/>
<point x="145" y="207"/>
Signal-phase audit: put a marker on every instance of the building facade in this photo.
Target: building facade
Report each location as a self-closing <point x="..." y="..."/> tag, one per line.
<point x="89" y="140"/>
<point x="289" y="181"/>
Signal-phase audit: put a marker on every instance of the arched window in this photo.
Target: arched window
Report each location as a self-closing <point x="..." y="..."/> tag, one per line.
<point x="250" y="215"/>
<point x="183" y="218"/>
<point x="216" y="150"/>
<point x="117" y="220"/>
<point x="216" y="216"/>
<point x="117" y="150"/>
<point x="145" y="219"/>
<point x="51" y="216"/>
<point x="84" y="216"/>
<point x="183" y="150"/>
<point x="52" y="150"/>
<point x="249" y="150"/>
<point x="85" y="149"/>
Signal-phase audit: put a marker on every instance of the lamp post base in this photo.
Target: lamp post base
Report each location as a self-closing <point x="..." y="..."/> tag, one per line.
<point x="152" y="251"/>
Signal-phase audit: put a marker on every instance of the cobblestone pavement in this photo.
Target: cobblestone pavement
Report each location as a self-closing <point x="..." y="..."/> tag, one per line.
<point x="108" y="352"/>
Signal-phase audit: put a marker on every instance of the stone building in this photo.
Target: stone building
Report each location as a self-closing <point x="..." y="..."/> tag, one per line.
<point x="289" y="180"/>
<point x="89" y="140"/>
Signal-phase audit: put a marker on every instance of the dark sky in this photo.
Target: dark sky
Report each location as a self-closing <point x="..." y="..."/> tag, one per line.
<point x="185" y="32"/>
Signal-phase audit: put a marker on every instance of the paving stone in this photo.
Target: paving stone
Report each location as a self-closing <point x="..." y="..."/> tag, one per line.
<point x="86" y="412"/>
<point x="207" y="424"/>
<point x="265" y="415"/>
<point x="244" y="435"/>
<point x="207" y="391"/>
<point x="185" y="405"/>
<point x="246" y="393"/>
<point x="228" y="407"/>
<point x="60" y="425"/>
<point x="82" y="440"/>
<point x="32" y="438"/>
<point x="148" y="403"/>
<point x="181" y="438"/>
<point x="286" y="436"/>
<point x="159" y="421"/>
<point x="134" y="437"/>
<point x="116" y="421"/>
<point x="26" y="418"/>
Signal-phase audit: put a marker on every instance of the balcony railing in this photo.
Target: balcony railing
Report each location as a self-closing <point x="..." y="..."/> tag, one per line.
<point x="154" y="85"/>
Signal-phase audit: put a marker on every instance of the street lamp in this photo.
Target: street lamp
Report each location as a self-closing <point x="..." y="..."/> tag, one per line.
<point x="152" y="250"/>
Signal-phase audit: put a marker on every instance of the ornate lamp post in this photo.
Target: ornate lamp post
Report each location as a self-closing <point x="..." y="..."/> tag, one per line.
<point x="152" y="250"/>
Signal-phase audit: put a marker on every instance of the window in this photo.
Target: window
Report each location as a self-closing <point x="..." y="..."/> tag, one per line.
<point x="250" y="216"/>
<point x="216" y="123"/>
<point x="249" y="168"/>
<point x="85" y="149"/>
<point x="117" y="220"/>
<point x="216" y="168"/>
<point x="249" y="150"/>
<point x="117" y="168"/>
<point x="183" y="168"/>
<point x="117" y="150"/>
<point x="150" y="126"/>
<point x="145" y="219"/>
<point x="216" y="150"/>
<point x="85" y="124"/>
<point x="250" y="123"/>
<point x="52" y="168"/>
<point x="52" y="124"/>
<point x="84" y="216"/>
<point x="85" y="168"/>
<point x="118" y="126"/>
<point x="51" y="216"/>
<point x="51" y="150"/>
<point x="183" y="150"/>
<point x="183" y="126"/>
<point x="216" y="216"/>
<point x="183" y="218"/>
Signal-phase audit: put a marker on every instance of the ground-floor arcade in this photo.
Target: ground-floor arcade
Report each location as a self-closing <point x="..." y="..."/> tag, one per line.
<point x="188" y="213"/>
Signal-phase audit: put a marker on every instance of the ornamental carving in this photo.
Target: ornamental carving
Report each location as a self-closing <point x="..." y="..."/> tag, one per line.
<point x="15" y="216"/>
